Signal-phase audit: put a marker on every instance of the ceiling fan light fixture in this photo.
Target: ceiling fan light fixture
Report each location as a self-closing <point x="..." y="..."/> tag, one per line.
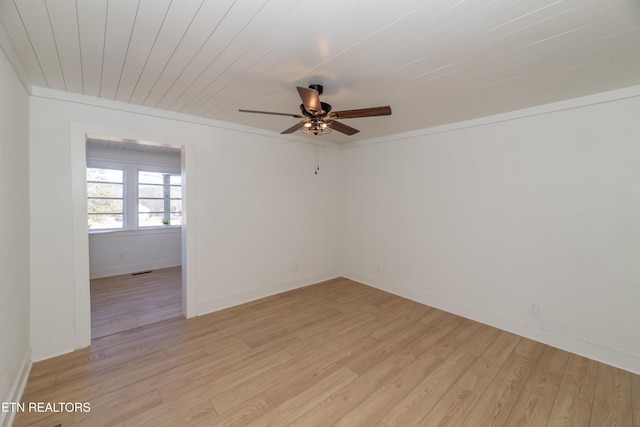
<point x="315" y="127"/>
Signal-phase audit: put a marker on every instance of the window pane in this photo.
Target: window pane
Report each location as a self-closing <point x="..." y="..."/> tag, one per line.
<point x="150" y="220"/>
<point x="104" y="175"/>
<point x="176" y="206"/>
<point x="176" y="218"/>
<point x="101" y="206"/>
<point x="175" y="192"/>
<point x="98" y="222"/>
<point x="146" y="190"/>
<point x="154" y="192"/>
<point x="150" y="177"/>
<point x="150" y="206"/>
<point x="104" y="190"/>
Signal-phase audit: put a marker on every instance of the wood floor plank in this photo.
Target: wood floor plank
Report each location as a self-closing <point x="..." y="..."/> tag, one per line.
<point x="169" y="410"/>
<point x="300" y="372"/>
<point x="537" y="398"/>
<point x="334" y="353"/>
<point x="335" y="406"/>
<point x="573" y="403"/>
<point x="227" y="398"/>
<point x="494" y="406"/>
<point x="417" y="359"/>
<point x="426" y="395"/>
<point x="384" y="399"/>
<point x="570" y="411"/>
<point x="242" y="415"/>
<point x="611" y="402"/>
<point x="188" y="415"/>
<point x="461" y="335"/>
<point x="464" y="394"/>
<point x="89" y="387"/>
<point x="319" y="362"/>
<point x="30" y="419"/>
<point x="383" y="349"/>
<point x="635" y="398"/>
<point x="222" y="377"/>
<point x="109" y="416"/>
<point x="579" y="379"/>
<point x="170" y="406"/>
<point x="305" y="399"/>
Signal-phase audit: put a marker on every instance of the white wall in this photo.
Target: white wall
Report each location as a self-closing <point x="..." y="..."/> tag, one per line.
<point x="253" y="207"/>
<point x="486" y="217"/>
<point x="127" y="251"/>
<point x="122" y="252"/>
<point x="15" y="352"/>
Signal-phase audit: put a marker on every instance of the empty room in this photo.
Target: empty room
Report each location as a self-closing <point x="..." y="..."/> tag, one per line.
<point x="410" y="213"/>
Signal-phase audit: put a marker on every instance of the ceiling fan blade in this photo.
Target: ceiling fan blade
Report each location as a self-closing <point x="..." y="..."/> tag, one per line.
<point x="341" y="127"/>
<point x="310" y="100"/>
<point x="362" y="112"/>
<point x="293" y="128"/>
<point x="297" y="116"/>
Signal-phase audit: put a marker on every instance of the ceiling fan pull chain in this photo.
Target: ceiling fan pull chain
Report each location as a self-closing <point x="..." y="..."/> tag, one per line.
<point x="317" y="154"/>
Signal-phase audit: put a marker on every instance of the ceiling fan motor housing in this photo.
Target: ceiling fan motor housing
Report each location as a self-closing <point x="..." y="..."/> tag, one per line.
<point x="317" y="88"/>
<point x="325" y="110"/>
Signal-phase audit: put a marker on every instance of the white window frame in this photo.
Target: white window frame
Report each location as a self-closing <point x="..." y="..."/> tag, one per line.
<point x="130" y="191"/>
<point x="166" y="185"/>
<point x="123" y="198"/>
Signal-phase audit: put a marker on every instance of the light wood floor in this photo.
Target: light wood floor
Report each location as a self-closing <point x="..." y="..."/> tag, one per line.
<point x="119" y="303"/>
<point x="335" y="353"/>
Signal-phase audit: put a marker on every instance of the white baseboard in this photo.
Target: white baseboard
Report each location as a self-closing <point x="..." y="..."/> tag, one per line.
<point x="254" y="294"/>
<point x="52" y="348"/>
<point x="17" y="389"/>
<point x="519" y="327"/>
<point x="117" y="270"/>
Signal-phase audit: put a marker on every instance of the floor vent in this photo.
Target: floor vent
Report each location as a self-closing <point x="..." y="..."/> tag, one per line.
<point x="142" y="272"/>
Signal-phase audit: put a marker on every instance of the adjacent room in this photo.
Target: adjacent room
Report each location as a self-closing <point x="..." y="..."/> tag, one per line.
<point x="134" y="215"/>
<point x="283" y="212"/>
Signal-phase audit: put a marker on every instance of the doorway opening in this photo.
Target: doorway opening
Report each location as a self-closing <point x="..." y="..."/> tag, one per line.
<point x="135" y="225"/>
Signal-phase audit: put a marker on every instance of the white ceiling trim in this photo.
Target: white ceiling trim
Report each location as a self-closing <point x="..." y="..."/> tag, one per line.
<point x="584" y="101"/>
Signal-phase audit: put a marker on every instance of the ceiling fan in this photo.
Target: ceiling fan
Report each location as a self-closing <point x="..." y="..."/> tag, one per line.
<point x="318" y="117"/>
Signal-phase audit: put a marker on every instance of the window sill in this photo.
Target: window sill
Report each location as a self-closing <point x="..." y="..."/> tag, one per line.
<point x="138" y="231"/>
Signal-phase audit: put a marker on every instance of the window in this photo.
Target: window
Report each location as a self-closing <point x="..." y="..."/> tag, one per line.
<point x="105" y="198"/>
<point x="159" y="199"/>
<point x="114" y="204"/>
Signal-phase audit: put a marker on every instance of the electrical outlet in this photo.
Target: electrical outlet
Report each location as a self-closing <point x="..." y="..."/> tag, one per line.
<point x="533" y="308"/>
<point x="295" y="266"/>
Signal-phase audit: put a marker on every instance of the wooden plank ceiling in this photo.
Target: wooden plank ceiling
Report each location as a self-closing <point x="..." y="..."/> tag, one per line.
<point x="434" y="62"/>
